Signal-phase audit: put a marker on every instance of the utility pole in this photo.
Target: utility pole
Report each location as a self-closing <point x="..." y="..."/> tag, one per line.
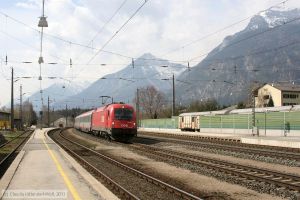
<point x="66" y="115"/>
<point x="173" y="93"/>
<point x="21" y="109"/>
<point x="12" y="101"/>
<point x="253" y="112"/>
<point x="48" y="112"/>
<point x="137" y="107"/>
<point x="53" y="116"/>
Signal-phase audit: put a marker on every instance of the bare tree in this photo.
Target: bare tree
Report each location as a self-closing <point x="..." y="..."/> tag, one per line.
<point x="151" y="101"/>
<point x="29" y="115"/>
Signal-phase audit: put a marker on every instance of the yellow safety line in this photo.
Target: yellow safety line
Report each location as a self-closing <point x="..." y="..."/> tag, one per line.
<point x="62" y="173"/>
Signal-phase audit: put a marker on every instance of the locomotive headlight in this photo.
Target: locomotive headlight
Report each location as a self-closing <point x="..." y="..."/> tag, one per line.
<point x="134" y="124"/>
<point x="113" y="124"/>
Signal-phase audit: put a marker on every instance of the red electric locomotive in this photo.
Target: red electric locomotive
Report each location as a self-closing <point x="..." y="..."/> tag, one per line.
<point x="115" y="121"/>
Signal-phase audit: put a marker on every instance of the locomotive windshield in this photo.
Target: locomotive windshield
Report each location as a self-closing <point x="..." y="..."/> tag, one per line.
<point x="123" y="114"/>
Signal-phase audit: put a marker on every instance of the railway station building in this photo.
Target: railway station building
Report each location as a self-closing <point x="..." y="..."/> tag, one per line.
<point x="278" y="94"/>
<point x="4" y="120"/>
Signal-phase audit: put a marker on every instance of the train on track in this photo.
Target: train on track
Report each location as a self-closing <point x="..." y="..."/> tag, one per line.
<point x="114" y="121"/>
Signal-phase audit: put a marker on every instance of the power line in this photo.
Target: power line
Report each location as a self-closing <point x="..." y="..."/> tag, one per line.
<point x="28" y="45"/>
<point x="60" y="38"/>
<point x="222" y="29"/>
<point x="115" y="34"/>
<point x="292" y="43"/>
<point x="249" y="37"/>
<point x="81" y="45"/>
<point x="105" y="24"/>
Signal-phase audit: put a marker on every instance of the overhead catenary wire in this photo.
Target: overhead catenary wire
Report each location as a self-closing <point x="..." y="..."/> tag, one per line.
<point x="249" y="37"/>
<point x="291" y="43"/>
<point x="110" y="52"/>
<point x="130" y="57"/>
<point x="83" y="45"/>
<point x="104" y="25"/>
<point x="115" y="34"/>
<point x="223" y="28"/>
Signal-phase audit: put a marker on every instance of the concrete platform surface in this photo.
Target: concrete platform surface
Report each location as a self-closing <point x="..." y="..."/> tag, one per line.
<point x="291" y="142"/>
<point x="204" y="134"/>
<point x="44" y="171"/>
<point x="282" y="141"/>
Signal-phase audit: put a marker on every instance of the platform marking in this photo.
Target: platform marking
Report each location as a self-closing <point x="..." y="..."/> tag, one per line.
<point x="63" y="174"/>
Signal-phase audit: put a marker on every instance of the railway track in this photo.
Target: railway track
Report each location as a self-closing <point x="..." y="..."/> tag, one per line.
<point x="218" y="140"/>
<point x="288" y="181"/>
<point x="284" y="155"/>
<point x="9" y="150"/>
<point x="125" y="181"/>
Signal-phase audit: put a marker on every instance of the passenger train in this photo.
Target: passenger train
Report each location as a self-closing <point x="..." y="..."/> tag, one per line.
<point x="114" y="121"/>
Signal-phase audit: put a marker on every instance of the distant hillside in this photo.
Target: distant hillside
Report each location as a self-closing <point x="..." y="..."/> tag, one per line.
<point x="122" y="85"/>
<point x="56" y="92"/>
<point x="263" y="52"/>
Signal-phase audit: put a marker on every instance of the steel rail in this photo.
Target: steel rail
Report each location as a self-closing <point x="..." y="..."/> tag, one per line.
<point x="118" y="188"/>
<point x="273" y="177"/>
<point x="6" y="143"/>
<point x="168" y="187"/>
<point x="248" y="150"/>
<point x="3" y="161"/>
<point x="219" y="140"/>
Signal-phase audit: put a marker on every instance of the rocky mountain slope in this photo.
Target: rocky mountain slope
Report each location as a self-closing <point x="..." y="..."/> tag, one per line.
<point x="122" y="85"/>
<point x="267" y="50"/>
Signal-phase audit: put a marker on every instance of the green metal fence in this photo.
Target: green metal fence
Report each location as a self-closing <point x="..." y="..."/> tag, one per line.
<point x="168" y="123"/>
<point x="267" y="120"/>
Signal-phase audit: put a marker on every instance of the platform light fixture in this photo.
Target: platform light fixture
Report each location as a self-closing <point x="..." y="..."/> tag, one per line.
<point x="43" y="22"/>
<point x="41" y="60"/>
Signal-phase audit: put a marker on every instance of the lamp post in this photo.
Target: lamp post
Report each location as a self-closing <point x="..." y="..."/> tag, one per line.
<point x="137" y="107"/>
<point x="12" y="101"/>
<point x="21" y="106"/>
<point x="66" y="115"/>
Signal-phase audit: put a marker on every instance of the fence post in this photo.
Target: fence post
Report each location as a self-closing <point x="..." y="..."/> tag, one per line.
<point x="210" y="123"/>
<point x="284" y="133"/>
<point x="221" y="125"/>
<point x="233" y="123"/>
<point x="248" y="123"/>
<point x="265" y="123"/>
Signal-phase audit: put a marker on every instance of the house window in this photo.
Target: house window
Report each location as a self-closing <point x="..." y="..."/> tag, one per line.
<point x="291" y="96"/>
<point x="193" y="119"/>
<point x="289" y="104"/>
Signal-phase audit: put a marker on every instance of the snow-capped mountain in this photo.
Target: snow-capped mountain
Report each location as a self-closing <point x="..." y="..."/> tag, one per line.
<point x="267" y="50"/>
<point x="122" y="85"/>
<point x="56" y="92"/>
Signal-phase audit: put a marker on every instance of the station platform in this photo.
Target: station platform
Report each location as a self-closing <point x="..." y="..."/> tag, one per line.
<point x="42" y="170"/>
<point x="282" y="141"/>
<point x="290" y="142"/>
<point x="204" y="134"/>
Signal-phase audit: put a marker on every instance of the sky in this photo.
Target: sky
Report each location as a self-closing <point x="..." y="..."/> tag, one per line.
<point x="161" y="27"/>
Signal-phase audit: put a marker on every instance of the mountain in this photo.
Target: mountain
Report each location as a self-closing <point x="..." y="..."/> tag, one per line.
<point x="266" y="50"/>
<point x="122" y="85"/>
<point x="56" y="92"/>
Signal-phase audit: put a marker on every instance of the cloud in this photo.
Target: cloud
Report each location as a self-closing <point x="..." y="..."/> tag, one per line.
<point x="159" y="27"/>
<point x="30" y="4"/>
